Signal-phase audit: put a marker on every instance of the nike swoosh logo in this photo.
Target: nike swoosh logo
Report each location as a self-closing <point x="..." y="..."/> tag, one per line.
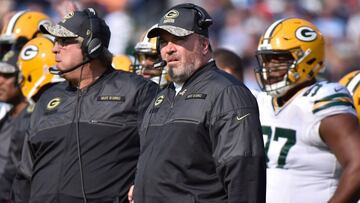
<point x="338" y="89"/>
<point x="242" y="117"/>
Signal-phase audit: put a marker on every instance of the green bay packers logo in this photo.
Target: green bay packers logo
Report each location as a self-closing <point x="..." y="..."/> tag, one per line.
<point x="88" y="32"/>
<point x="29" y="52"/>
<point x="306" y="34"/>
<point x="171" y="14"/>
<point x="68" y="16"/>
<point x="53" y="103"/>
<point x="159" y="100"/>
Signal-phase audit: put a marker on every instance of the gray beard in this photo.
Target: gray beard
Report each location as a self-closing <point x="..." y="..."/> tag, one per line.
<point x="182" y="77"/>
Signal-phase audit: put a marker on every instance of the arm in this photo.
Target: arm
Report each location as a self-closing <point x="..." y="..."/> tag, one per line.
<point x="341" y="133"/>
<point x="144" y="99"/>
<point x="21" y="186"/>
<point x="238" y="147"/>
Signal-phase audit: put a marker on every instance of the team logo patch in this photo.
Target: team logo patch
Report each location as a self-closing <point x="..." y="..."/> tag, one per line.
<point x="305" y="34"/>
<point x="170" y="16"/>
<point x="111" y="98"/>
<point x="53" y="103"/>
<point x="159" y="100"/>
<point x="196" y="96"/>
<point x="29" y="52"/>
<point x="88" y="32"/>
<point x="68" y="16"/>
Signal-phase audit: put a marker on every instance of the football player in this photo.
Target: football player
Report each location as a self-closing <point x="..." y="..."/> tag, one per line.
<point x="148" y="61"/>
<point x="20" y="28"/>
<point x="352" y="83"/>
<point x="14" y="123"/>
<point x="311" y="133"/>
<point x="34" y="62"/>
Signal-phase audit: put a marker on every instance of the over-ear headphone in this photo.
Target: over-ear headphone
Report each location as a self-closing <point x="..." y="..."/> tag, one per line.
<point x="204" y="21"/>
<point x="92" y="47"/>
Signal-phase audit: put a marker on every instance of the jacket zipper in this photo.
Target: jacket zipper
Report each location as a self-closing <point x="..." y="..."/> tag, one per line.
<point x="109" y="123"/>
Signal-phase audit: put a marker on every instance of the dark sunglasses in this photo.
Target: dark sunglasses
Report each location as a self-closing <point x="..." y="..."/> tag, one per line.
<point x="64" y="41"/>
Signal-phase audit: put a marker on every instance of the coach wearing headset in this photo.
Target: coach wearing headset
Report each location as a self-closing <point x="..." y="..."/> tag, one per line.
<point x="83" y="141"/>
<point x="201" y="139"/>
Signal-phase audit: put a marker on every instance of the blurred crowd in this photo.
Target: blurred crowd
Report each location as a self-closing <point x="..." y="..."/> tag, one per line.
<point x="237" y="24"/>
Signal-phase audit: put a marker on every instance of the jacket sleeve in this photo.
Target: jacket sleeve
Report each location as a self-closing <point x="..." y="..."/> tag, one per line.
<point x="6" y="166"/>
<point x="238" y="148"/>
<point x="21" y="186"/>
<point x="7" y="177"/>
<point x="146" y="94"/>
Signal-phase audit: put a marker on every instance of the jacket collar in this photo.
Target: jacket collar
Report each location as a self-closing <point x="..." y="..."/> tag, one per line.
<point x="200" y="71"/>
<point x="109" y="70"/>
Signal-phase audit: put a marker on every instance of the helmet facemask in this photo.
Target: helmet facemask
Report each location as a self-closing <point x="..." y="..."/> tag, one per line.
<point x="146" y="56"/>
<point x="273" y="72"/>
<point x="144" y="63"/>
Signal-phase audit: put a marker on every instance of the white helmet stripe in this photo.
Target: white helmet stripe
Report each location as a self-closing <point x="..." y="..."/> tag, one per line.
<point x="36" y="86"/>
<point x="270" y="30"/>
<point x="12" y="22"/>
<point x="354" y="83"/>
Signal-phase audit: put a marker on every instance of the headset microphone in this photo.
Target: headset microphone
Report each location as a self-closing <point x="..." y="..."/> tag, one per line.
<point x="55" y="71"/>
<point x="160" y="64"/>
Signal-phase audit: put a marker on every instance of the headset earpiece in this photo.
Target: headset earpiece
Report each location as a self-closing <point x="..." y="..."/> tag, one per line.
<point x="205" y="21"/>
<point x="92" y="47"/>
<point x="18" y="78"/>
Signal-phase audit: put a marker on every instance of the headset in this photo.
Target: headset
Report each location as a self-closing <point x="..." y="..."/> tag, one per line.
<point x="91" y="47"/>
<point x="205" y="20"/>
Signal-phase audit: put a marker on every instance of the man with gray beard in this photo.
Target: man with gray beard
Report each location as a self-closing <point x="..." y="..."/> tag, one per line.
<point x="201" y="139"/>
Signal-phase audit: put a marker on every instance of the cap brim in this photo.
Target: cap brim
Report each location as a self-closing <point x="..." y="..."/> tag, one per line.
<point x="7" y="39"/>
<point x="6" y="68"/>
<point x="177" y="31"/>
<point x="56" y="30"/>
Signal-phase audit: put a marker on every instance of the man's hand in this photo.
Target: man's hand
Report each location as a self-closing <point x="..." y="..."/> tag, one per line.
<point x="131" y="194"/>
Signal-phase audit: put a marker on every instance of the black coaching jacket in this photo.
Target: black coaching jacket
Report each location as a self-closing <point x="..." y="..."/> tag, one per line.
<point x="104" y="119"/>
<point x="203" y="145"/>
<point x="12" y="134"/>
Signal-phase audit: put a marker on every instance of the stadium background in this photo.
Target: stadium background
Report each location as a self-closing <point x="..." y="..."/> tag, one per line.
<point x="237" y="24"/>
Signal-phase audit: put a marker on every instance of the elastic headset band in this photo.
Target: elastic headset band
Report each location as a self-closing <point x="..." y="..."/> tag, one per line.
<point x="89" y="39"/>
<point x="204" y="21"/>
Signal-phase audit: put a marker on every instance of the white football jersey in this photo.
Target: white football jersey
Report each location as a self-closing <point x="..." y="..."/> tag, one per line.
<point x="4" y="108"/>
<point x="300" y="166"/>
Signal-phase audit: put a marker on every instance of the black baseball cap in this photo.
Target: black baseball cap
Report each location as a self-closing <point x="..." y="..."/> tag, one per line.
<point x="183" y="20"/>
<point x="77" y="24"/>
<point x="8" y="64"/>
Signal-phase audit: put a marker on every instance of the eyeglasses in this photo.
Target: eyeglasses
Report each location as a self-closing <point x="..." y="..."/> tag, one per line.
<point x="64" y="41"/>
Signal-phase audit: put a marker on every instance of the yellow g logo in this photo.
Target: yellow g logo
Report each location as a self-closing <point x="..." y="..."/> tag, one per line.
<point x="171" y="14"/>
<point x="68" y="16"/>
<point x="159" y="100"/>
<point x="53" y="103"/>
